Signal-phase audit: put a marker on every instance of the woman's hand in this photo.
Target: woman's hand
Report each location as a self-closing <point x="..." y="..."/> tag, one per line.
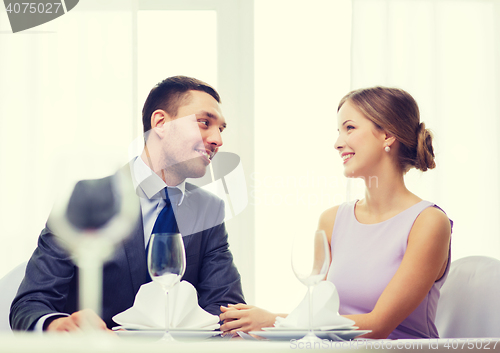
<point x="242" y="317"/>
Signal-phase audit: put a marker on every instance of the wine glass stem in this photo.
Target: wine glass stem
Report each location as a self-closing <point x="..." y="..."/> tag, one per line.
<point x="309" y="294"/>
<point x="167" y="321"/>
<point x="90" y="289"/>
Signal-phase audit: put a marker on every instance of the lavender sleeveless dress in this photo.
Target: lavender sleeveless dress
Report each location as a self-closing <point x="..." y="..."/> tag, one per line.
<point x="365" y="257"/>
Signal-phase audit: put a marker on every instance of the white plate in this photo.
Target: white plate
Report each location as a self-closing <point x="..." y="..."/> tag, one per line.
<point x="327" y="335"/>
<point x="323" y="328"/>
<point x="154" y="329"/>
<point x="176" y="334"/>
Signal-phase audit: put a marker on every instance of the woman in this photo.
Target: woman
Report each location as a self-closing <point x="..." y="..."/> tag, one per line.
<point x="390" y="250"/>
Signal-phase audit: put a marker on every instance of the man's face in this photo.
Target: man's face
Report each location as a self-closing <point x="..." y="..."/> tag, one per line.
<point x="192" y="139"/>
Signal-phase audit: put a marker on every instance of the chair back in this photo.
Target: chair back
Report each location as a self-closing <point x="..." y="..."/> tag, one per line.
<point x="9" y="285"/>
<point x="469" y="305"/>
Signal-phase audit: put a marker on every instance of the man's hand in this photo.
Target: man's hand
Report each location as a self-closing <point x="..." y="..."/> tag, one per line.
<point x="242" y="317"/>
<point x="74" y="322"/>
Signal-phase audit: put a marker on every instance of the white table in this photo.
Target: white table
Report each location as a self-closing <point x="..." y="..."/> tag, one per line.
<point x="69" y="343"/>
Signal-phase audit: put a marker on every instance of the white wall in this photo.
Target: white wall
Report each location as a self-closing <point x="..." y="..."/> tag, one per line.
<point x="302" y="69"/>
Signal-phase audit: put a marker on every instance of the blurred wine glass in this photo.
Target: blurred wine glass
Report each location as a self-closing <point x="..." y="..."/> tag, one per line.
<point x="310" y="263"/>
<point x="166" y="265"/>
<point x="95" y="208"/>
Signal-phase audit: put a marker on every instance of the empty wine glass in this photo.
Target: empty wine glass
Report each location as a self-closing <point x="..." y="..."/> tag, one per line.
<point x="310" y="263"/>
<point x="166" y="265"/>
<point x="90" y="218"/>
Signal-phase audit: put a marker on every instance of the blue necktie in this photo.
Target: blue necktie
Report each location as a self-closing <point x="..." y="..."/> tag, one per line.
<point x="166" y="223"/>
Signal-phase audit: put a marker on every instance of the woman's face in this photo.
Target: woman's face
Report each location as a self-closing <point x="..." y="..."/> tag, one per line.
<point x="360" y="143"/>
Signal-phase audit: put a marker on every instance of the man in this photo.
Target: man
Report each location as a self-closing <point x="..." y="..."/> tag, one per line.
<point x="183" y="123"/>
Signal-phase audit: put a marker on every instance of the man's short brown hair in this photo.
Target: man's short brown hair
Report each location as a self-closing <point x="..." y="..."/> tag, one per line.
<point x="172" y="93"/>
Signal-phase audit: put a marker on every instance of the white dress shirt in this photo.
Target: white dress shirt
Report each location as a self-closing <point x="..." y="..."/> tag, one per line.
<point x="149" y="186"/>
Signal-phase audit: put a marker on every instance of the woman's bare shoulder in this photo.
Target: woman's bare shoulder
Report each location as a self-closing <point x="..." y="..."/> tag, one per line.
<point x="435" y="217"/>
<point x="432" y="224"/>
<point x="330" y="213"/>
<point x="327" y="220"/>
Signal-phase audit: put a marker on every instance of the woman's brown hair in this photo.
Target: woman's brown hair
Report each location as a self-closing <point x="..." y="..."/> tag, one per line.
<point x="395" y="111"/>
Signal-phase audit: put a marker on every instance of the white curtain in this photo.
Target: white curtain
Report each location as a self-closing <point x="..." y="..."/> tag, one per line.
<point x="446" y="54"/>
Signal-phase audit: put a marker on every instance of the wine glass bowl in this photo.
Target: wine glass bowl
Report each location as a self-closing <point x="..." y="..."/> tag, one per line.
<point x="166" y="266"/>
<point x="310" y="264"/>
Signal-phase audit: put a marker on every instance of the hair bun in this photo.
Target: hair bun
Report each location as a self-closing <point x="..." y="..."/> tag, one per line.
<point x="425" y="152"/>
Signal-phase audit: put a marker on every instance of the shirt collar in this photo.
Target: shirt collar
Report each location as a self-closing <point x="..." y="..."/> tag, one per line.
<point x="149" y="184"/>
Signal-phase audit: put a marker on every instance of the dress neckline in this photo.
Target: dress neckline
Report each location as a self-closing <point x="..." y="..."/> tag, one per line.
<point x="387" y="220"/>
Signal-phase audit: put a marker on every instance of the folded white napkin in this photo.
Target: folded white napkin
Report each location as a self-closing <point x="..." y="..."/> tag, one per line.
<point x="325" y="310"/>
<point x="148" y="311"/>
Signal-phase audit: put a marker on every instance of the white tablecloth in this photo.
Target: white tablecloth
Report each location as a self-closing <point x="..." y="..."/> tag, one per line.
<point x="68" y="343"/>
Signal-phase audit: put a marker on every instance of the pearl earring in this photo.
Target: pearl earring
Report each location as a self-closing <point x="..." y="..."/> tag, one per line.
<point x="387" y="148"/>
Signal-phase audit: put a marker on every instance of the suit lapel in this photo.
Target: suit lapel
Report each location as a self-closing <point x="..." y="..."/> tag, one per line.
<point x="136" y="256"/>
<point x="135" y="251"/>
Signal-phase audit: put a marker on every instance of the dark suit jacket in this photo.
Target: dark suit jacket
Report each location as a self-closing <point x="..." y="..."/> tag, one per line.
<point x="50" y="283"/>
